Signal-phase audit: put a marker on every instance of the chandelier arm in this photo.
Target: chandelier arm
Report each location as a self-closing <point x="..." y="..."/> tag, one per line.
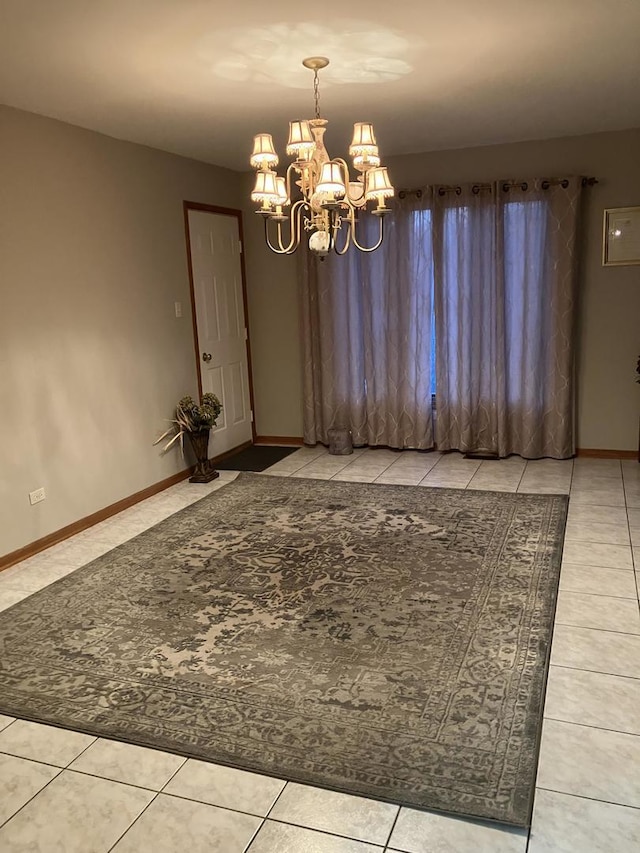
<point x="350" y="221"/>
<point x="286" y="250"/>
<point x="294" y="220"/>
<point x="308" y="179"/>
<point x="371" y="248"/>
<point x="268" y="241"/>
<point x="287" y="180"/>
<point x="290" y="170"/>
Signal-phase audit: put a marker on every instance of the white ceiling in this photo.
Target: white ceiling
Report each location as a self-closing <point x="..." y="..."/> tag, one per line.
<point x="199" y="77"/>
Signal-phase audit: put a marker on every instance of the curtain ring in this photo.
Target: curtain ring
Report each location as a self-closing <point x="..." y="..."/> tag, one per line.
<point x="402" y="194"/>
<point x="505" y="188"/>
<point x="545" y="185"/>
<point x="475" y="189"/>
<point x="458" y="190"/>
<point x="564" y="184"/>
<point x="418" y="193"/>
<point x="524" y="186"/>
<point x="440" y="191"/>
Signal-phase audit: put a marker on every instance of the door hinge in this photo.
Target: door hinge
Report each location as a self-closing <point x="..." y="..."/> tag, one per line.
<point x="251" y="413"/>
<point x="240" y="246"/>
<point x="246" y="334"/>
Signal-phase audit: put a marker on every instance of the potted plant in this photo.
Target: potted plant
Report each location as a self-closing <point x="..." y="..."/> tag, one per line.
<point x="195" y="421"/>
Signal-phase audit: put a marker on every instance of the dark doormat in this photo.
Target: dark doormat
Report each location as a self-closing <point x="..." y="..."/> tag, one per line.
<point x="254" y="458"/>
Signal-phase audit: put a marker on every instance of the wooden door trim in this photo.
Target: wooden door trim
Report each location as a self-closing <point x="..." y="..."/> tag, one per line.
<point x="223" y="211"/>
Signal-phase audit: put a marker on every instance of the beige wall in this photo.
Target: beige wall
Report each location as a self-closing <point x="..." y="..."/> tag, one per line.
<point x="92" y="259"/>
<point x="273" y="325"/>
<point x="92" y="357"/>
<point x="609" y="311"/>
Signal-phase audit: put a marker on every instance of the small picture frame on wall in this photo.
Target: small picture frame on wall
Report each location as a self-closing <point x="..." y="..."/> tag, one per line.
<point x="621" y="236"/>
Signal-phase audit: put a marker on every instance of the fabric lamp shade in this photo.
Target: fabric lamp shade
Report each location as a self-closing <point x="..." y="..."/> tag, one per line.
<point x="264" y="154"/>
<point x="378" y="184"/>
<point x="265" y="189"/>
<point x="300" y="138"/>
<point x="331" y="180"/>
<point x="364" y="139"/>
<point x="281" y="188"/>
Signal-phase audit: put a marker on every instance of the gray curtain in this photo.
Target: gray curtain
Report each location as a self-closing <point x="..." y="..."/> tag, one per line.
<point x="505" y="290"/>
<point x="367" y="334"/>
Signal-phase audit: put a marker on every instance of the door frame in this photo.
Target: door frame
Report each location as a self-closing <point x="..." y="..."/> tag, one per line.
<point x="222" y="211"/>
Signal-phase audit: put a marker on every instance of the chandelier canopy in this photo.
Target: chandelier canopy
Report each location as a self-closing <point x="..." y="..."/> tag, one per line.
<point x="328" y="198"/>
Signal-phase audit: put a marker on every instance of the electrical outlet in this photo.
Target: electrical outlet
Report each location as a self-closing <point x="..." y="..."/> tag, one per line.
<point x="178" y="308"/>
<point x="36" y="496"/>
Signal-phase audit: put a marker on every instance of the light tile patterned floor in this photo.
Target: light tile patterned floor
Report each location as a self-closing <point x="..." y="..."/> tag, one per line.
<point x="64" y="791"/>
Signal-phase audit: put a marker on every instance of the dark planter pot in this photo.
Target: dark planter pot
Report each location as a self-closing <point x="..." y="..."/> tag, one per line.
<point x="204" y="471"/>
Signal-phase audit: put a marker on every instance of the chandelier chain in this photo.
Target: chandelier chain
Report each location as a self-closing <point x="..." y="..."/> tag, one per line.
<point x="316" y="91"/>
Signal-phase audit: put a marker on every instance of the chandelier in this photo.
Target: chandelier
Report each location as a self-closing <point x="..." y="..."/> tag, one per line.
<point x="328" y="199"/>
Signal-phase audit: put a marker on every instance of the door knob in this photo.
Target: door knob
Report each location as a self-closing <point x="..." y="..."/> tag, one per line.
<point x="206" y="356"/>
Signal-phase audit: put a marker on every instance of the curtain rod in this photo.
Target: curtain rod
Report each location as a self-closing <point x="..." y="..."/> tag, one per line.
<point x="505" y="186"/>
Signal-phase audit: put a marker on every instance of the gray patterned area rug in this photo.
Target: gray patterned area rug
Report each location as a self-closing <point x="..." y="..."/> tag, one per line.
<point x="390" y="641"/>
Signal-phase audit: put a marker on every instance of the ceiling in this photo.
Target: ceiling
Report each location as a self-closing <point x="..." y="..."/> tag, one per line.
<point x="199" y="77"/>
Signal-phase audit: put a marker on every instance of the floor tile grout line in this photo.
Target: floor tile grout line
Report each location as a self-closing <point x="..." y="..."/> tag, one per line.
<point x="579" y="503"/>
<point x="82" y="752"/>
<point x="633" y="557"/>
<point x="188" y="799"/>
<point x="71" y="769"/>
<point x="475" y="474"/>
<point x="390" y="465"/>
<point x="255" y="835"/>
<point x="302" y="465"/>
<point x="596" y="594"/>
<point x="393" y="826"/>
<point x="527" y="845"/>
<point x="596" y="672"/>
<point x="522" y="475"/>
<point x="173" y="775"/>
<point x="599" y="594"/>
<point x="156" y="794"/>
<point x="592" y="628"/>
<point x="8" y="726"/>
<point x="39" y="791"/>
<point x="118" y="781"/>
<point x="589" y="726"/>
<point x="603" y="630"/>
<point x="587" y="567"/>
<point x="585" y="797"/>
<point x="582" y="541"/>
<point x="273" y="804"/>
<point x="39" y="760"/>
<point x="33" y="760"/>
<point x="324" y="831"/>
<point x="342" y="471"/>
<point x="438" y="461"/>
<point x="423" y="474"/>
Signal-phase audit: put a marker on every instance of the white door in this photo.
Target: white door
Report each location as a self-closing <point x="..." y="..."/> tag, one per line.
<point x="222" y="335"/>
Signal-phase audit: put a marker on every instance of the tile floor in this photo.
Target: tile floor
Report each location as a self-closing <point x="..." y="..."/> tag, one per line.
<point x="65" y="791"/>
